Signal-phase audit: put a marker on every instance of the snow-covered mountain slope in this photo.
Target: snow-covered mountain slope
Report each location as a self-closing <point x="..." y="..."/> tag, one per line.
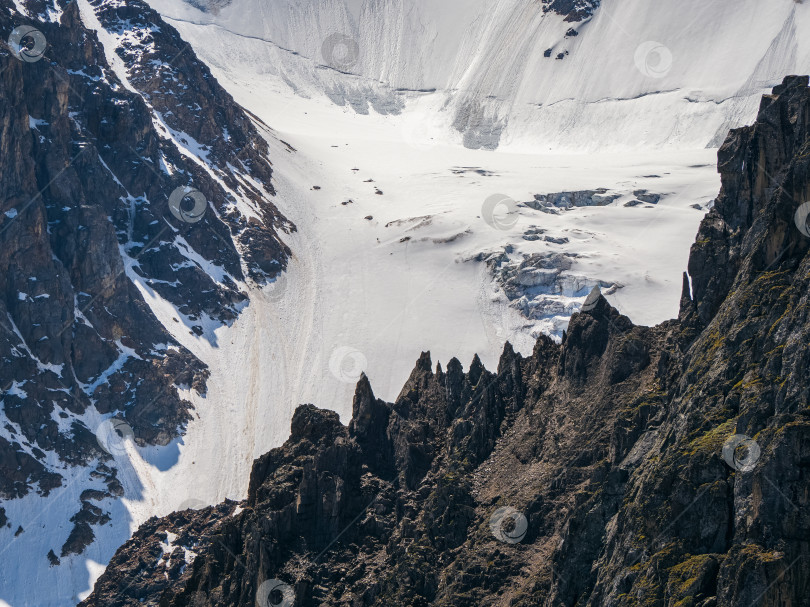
<point x="616" y="469"/>
<point x="636" y="73"/>
<point x="136" y="226"/>
<point x="399" y="247"/>
<point x="406" y="268"/>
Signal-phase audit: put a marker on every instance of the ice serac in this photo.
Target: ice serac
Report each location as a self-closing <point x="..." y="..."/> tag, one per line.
<point x="613" y="444"/>
<point x="95" y="138"/>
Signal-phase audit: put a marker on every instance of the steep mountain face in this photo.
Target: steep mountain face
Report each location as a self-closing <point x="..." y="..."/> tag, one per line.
<point x="128" y="173"/>
<point x="629" y="465"/>
<point x="520" y="75"/>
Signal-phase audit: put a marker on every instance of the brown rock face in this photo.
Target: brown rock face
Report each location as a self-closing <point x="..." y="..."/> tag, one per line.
<point x="88" y="165"/>
<point x="599" y="472"/>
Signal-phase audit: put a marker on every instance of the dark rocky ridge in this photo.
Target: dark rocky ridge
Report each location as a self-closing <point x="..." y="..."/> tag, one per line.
<point x="572" y="10"/>
<point x="610" y="444"/>
<point x="87" y="165"/>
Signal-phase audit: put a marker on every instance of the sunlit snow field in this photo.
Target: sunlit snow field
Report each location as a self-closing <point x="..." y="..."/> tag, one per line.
<point x="371" y="294"/>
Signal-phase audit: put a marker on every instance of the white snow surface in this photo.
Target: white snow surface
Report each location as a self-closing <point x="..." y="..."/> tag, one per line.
<point x="371" y="294"/>
<point x="357" y="297"/>
<point x="640" y="73"/>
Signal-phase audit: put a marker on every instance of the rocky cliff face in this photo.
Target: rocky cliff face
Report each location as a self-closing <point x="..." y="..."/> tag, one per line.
<point x="126" y="169"/>
<point x="625" y="466"/>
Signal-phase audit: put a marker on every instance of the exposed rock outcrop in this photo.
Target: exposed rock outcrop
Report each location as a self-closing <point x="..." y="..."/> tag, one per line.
<point x="601" y="471"/>
<point x="572" y="10"/>
<point x="95" y="140"/>
<point x="568" y="200"/>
